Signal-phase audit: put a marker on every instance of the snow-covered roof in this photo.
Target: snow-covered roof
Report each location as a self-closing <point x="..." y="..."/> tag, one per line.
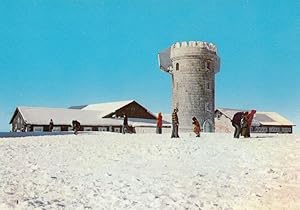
<point x="139" y="122"/>
<point x="107" y="108"/>
<point x="60" y="116"/>
<point x="263" y="118"/>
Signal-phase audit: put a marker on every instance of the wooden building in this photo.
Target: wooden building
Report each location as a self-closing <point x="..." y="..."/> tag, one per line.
<point x="263" y="122"/>
<point x="94" y="117"/>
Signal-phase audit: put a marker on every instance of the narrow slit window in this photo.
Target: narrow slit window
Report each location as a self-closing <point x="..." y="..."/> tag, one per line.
<point x="208" y="65"/>
<point x="177" y="66"/>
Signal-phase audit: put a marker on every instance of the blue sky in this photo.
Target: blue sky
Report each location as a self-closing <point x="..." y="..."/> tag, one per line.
<point x="60" y="53"/>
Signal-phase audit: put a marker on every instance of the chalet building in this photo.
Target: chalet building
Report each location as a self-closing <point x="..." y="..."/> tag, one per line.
<point x="263" y="122"/>
<point x="94" y="117"/>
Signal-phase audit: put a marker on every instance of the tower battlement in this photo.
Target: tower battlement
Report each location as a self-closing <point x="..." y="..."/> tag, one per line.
<point x="195" y="44"/>
<point x="192" y="49"/>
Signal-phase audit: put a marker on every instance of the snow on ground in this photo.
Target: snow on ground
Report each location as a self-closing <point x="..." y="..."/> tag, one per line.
<point x="149" y="171"/>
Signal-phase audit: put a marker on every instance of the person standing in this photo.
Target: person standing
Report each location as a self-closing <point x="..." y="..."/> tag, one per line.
<point x="197" y="127"/>
<point x="236" y="123"/>
<point x="76" y="126"/>
<point x="249" y="122"/>
<point x="51" y="125"/>
<point x="125" y="124"/>
<point x="244" y="124"/>
<point x="159" y="124"/>
<point x="175" y="124"/>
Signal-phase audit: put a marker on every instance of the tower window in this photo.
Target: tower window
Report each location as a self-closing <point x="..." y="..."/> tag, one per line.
<point x="208" y="65"/>
<point x="208" y="85"/>
<point x="177" y="66"/>
<point x="208" y="107"/>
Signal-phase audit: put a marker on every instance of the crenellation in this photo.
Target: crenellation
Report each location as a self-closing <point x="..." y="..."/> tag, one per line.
<point x="184" y="44"/>
<point x="195" y="44"/>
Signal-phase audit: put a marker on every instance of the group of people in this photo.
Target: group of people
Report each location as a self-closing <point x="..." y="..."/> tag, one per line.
<point x="242" y="121"/>
<point x="175" y="124"/>
<point x="75" y="126"/>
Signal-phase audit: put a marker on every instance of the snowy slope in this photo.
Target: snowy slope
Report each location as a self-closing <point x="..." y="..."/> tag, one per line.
<point x="148" y="171"/>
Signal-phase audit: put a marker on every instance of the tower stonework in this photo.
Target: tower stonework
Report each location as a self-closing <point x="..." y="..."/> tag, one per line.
<point x="192" y="66"/>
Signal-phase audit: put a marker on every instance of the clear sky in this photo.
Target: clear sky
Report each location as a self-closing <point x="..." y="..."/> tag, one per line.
<point x="58" y="53"/>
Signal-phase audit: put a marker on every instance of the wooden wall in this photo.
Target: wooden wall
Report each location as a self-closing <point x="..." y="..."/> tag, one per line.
<point x="133" y="110"/>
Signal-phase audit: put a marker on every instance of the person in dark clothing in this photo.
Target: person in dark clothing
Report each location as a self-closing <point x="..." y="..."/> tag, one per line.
<point x="236" y="123"/>
<point x="244" y="124"/>
<point x="125" y="124"/>
<point x="175" y="124"/>
<point x="51" y="125"/>
<point x="76" y="126"/>
<point x="159" y="124"/>
<point x="197" y="127"/>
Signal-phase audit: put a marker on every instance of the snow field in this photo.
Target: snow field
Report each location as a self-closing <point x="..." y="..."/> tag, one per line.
<point x="149" y="171"/>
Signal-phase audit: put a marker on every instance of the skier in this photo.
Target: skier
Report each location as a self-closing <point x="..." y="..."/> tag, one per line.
<point x="159" y="124"/>
<point x="175" y="124"/>
<point x="236" y="123"/>
<point x="197" y="128"/>
<point x="51" y="125"/>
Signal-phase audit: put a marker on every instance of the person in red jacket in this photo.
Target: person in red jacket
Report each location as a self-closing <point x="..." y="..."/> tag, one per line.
<point x="249" y="118"/>
<point x="159" y="124"/>
<point x="244" y="124"/>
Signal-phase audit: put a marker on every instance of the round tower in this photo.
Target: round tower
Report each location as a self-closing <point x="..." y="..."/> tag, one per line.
<point x="193" y="66"/>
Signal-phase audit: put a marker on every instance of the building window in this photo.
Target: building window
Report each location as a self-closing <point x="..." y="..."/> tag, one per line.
<point x="274" y="129"/>
<point x="56" y="129"/>
<point x="286" y="130"/>
<point x="177" y="66"/>
<point x="102" y="129"/>
<point x="117" y="130"/>
<point x="208" y="65"/>
<point x="87" y="128"/>
<point x="208" y="85"/>
<point x="38" y="129"/>
<point x="208" y="107"/>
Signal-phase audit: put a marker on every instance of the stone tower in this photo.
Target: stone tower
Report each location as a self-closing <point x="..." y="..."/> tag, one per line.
<point x="192" y="66"/>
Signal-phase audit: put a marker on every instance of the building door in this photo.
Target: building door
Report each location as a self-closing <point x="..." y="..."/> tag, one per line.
<point x="207" y="126"/>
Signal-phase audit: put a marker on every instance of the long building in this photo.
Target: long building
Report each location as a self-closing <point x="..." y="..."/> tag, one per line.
<point x="93" y="117"/>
